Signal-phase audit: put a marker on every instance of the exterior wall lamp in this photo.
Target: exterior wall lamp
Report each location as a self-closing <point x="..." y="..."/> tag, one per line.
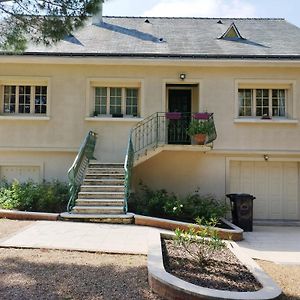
<point x="266" y="157"/>
<point x="182" y="76"/>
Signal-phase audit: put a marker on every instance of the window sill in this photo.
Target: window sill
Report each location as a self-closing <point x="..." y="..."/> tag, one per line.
<point x="24" y="118"/>
<point x="265" y="121"/>
<point x="111" y="119"/>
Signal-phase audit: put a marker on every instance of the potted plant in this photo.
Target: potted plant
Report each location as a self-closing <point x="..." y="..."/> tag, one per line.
<point x="199" y="130"/>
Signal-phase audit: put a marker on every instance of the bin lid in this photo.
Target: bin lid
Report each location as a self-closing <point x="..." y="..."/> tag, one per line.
<point x="235" y="196"/>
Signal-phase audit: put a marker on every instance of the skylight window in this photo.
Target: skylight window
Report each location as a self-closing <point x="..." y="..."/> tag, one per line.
<point x="232" y="33"/>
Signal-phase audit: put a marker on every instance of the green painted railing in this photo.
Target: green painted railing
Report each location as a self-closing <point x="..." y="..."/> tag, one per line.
<point x="128" y="165"/>
<point x="77" y="171"/>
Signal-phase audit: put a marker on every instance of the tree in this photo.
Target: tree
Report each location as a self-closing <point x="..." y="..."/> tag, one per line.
<point x="41" y="21"/>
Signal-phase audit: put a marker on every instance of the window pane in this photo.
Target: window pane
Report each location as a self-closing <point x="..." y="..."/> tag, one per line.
<point x="278" y="103"/>
<point x="24" y="99"/>
<point x="132" y="102"/>
<point x="115" y="100"/>
<point x="100" y="100"/>
<point x="9" y="103"/>
<point x="40" y="100"/>
<point x="245" y="102"/>
<point x="262" y="102"/>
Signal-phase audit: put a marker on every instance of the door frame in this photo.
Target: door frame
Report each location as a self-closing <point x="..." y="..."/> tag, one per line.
<point x="200" y="105"/>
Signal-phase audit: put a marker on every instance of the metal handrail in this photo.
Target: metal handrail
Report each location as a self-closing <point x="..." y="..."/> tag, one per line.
<point x="128" y="165"/>
<point x="168" y="128"/>
<point x="77" y="171"/>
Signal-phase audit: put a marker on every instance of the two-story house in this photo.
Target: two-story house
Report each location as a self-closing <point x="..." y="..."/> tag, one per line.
<point x="119" y="74"/>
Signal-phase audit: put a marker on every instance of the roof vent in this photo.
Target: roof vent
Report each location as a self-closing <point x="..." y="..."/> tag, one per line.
<point x="220" y="22"/>
<point x="232" y="33"/>
<point x="147" y="21"/>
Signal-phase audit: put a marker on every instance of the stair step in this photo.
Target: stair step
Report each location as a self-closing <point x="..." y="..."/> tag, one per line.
<point x="102" y="188"/>
<point x="100" y="202"/>
<point x="104" y="175"/>
<point x="105" y="170"/>
<point x="99" y="218"/>
<point x="98" y="209"/>
<point x="105" y="165"/>
<point x="103" y="182"/>
<point x="101" y="195"/>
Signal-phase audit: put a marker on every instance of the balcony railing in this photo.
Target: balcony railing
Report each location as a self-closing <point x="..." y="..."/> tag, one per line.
<point x="169" y="128"/>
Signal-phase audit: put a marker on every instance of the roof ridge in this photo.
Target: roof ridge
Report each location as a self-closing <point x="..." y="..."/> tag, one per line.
<point x="200" y="18"/>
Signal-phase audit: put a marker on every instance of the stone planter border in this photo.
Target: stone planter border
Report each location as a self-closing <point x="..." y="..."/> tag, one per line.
<point x="234" y="234"/>
<point x="24" y="215"/>
<point x="171" y="287"/>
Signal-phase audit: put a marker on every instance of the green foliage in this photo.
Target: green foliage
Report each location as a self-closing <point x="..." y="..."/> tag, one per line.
<point x="203" y="206"/>
<point x="43" y="21"/>
<point x="200" y="244"/>
<point x="29" y="196"/>
<point x="197" y="126"/>
<point x="162" y="204"/>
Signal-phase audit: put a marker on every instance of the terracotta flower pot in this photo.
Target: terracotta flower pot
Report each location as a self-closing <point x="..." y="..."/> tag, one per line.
<point x="199" y="138"/>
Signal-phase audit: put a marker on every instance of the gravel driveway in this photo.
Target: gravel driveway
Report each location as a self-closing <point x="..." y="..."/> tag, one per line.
<point x="65" y="275"/>
<point x="28" y="274"/>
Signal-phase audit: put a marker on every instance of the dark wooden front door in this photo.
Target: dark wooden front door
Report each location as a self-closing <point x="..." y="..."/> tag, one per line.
<point x="179" y="100"/>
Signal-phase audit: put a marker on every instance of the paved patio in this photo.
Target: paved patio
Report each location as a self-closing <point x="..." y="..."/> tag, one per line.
<point x="273" y="243"/>
<point x="110" y="238"/>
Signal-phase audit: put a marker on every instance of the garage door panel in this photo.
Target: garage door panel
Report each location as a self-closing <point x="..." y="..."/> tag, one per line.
<point x="247" y="176"/>
<point x="290" y="201"/>
<point x="274" y="184"/>
<point x="235" y="168"/>
<point x="275" y="190"/>
<point x="260" y="208"/>
<point x="20" y="173"/>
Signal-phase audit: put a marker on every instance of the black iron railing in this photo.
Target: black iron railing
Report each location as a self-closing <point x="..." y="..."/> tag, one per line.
<point x="169" y="128"/>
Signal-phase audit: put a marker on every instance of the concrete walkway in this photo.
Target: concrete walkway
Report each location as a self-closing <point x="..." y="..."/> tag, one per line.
<point x="129" y="239"/>
<point x="272" y="243"/>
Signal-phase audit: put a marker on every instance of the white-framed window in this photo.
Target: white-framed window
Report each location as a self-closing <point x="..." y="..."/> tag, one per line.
<point x="262" y="102"/>
<point x="116" y="101"/>
<point x="24" y="99"/>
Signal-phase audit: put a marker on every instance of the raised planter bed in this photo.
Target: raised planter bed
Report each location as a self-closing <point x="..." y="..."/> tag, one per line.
<point x="171" y="287"/>
<point x="27" y="215"/>
<point x="232" y="232"/>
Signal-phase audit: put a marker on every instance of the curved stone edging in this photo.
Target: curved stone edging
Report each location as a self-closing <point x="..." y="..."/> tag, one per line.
<point x="234" y="234"/>
<point x="171" y="287"/>
<point x="25" y="215"/>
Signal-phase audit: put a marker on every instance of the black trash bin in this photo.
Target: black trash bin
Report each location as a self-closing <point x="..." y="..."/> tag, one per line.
<point x="242" y="210"/>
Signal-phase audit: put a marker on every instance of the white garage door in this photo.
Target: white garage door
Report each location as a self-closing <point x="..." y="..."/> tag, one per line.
<point x="20" y="173"/>
<point x="274" y="184"/>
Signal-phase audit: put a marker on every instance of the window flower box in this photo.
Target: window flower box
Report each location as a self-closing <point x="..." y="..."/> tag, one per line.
<point x="173" y="115"/>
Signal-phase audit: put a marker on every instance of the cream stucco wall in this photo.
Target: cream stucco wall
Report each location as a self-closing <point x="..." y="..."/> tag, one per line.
<point x="68" y="121"/>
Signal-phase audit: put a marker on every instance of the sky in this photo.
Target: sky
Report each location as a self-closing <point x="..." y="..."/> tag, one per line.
<point x="288" y="9"/>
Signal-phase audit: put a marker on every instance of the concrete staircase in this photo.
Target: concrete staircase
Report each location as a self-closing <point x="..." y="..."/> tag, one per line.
<point x="101" y="196"/>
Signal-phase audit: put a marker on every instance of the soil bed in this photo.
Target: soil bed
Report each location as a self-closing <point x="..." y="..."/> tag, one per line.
<point x="223" y="272"/>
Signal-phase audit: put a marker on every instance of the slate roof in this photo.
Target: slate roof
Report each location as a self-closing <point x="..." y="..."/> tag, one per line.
<point x="180" y="38"/>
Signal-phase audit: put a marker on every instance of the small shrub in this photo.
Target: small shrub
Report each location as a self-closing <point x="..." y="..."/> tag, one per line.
<point x="160" y="203"/>
<point x="203" y="206"/>
<point x="30" y="196"/>
<point x="200" y="244"/>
